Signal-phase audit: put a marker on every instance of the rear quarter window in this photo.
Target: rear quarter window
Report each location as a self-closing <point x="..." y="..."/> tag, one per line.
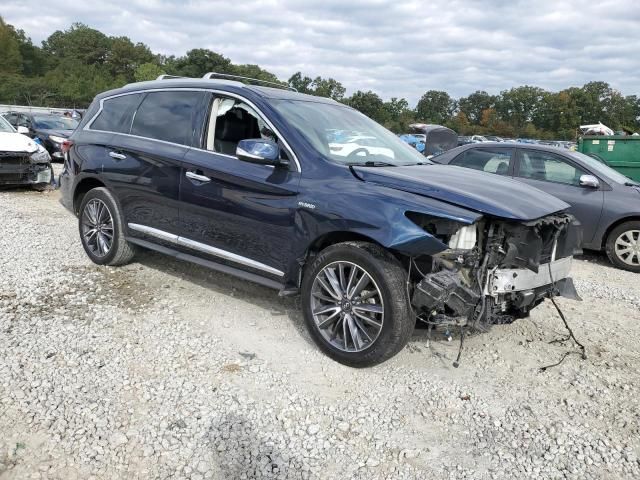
<point x="168" y="116"/>
<point x="117" y="113"/>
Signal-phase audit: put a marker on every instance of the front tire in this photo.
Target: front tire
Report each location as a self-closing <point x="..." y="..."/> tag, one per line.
<point x="102" y="229"/>
<point x="355" y="304"/>
<point x="623" y="246"/>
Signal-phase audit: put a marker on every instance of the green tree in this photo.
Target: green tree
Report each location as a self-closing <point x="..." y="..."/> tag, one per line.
<point x="519" y="106"/>
<point x="368" y="103"/>
<point x="322" y="87"/>
<point x="10" y="57"/>
<point x="435" y="107"/>
<point x="198" y="62"/>
<point x="475" y="104"/>
<point x="147" y="71"/>
<point x="123" y="57"/>
<point x="79" y="42"/>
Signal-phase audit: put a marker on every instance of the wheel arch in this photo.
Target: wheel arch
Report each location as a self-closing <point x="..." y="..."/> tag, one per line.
<point x="617" y="223"/>
<point x="81" y="189"/>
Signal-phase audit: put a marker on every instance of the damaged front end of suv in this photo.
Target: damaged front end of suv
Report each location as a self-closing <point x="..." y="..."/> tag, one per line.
<point x="493" y="271"/>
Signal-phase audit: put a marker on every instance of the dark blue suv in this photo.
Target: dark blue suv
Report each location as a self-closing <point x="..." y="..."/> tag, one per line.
<point x="306" y="195"/>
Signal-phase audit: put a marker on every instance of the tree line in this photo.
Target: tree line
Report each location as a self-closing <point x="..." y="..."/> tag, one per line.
<point x="70" y="67"/>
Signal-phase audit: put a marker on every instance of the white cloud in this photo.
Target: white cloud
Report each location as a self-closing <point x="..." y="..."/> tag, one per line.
<point x="395" y="48"/>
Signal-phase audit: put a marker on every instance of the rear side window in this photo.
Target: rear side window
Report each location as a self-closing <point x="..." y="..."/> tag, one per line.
<point x="117" y="113"/>
<point x="487" y="160"/>
<point x="167" y="116"/>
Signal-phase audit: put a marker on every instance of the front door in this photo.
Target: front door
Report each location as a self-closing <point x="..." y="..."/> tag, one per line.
<point x="240" y="212"/>
<point x="558" y="176"/>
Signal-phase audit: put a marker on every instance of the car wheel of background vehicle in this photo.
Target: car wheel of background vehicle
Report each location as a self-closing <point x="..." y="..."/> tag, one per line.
<point x="102" y="230"/>
<point x="355" y="304"/>
<point x="623" y="246"/>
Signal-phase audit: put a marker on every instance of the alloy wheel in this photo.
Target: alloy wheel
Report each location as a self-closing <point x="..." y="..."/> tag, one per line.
<point x="97" y="227"/>
<point x="627" y="247"/>
<point x="347" y="306"/>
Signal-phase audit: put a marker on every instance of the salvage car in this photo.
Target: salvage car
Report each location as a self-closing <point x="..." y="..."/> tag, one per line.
<point x="22" y="161"/>
<point x="606" y="203"/>
<point x="47" y="128"/>
<point x="242" y="178"/>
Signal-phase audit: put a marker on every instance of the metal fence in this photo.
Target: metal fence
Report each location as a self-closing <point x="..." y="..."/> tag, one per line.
<point x="29" y="109"/>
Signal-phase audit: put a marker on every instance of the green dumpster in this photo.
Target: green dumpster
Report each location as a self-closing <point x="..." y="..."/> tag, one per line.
<point x="621" y="153"/>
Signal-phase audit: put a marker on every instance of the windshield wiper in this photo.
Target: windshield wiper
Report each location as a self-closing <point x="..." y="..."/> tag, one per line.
<point x="372" y="163"/>
<point x="632" y="184"/>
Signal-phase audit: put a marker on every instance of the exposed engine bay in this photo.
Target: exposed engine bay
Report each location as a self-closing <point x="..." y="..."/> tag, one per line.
<point x="494" y="271"/>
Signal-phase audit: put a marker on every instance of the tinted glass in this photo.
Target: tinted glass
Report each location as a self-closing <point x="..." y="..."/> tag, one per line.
<point x="548" y="167"/>
<point x="487" y="160"/>
<point x="117" y="113"/>
<point x="12" y="118"/>
<point x="167" y="116"/>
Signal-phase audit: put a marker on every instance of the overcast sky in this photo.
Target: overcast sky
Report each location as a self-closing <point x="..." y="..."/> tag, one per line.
<point x="396" y="48"/>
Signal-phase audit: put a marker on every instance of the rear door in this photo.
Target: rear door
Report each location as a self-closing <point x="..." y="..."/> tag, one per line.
<point x="154" y="131"/>
<point x="235" y="210"/>
<point x="560" y="177"/>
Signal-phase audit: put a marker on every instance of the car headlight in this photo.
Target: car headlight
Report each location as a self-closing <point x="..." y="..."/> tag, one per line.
<point x="40" y="155"/>
<point x="55" y="138"/>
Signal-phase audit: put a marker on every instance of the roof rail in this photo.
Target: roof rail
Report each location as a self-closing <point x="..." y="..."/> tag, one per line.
<point x="211" y="75"/>
<point x="164" y="76"/>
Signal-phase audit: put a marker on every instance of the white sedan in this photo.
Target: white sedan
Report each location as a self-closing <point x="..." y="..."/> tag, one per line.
<point x="23" y="161"/>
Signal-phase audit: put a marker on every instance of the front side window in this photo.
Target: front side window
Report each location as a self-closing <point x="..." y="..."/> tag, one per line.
<point x="487" y="160"/>
<point x="117" y="114"/>
<point x="167" y="116"/>
<point x="547" y="167"/>
<point x="345" y="135"/>
<point x="232" y="120"/>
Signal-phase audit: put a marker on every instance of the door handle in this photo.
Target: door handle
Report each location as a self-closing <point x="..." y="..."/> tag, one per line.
<point x="117" y="156"/>
<point x="197" y="177"/>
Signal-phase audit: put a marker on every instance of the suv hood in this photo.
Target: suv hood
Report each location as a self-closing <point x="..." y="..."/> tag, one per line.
<point x="483" y="192"/>
<point x="16" y="142"/>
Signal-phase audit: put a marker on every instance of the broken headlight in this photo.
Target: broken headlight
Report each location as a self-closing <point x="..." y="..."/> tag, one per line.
<point x="40" y="155"/>
<point x="464" y="238"/>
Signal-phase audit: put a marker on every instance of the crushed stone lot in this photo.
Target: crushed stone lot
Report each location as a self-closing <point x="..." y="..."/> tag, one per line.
<point x="162" y="369"/>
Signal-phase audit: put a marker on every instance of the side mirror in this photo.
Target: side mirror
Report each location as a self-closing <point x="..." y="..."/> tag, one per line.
<point x="589" y="181"/>
<point x="260" y="151"/>
<point x="23" y="130"/>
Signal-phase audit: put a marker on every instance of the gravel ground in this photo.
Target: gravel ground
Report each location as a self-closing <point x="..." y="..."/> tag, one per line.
<point x="161" y="369"/>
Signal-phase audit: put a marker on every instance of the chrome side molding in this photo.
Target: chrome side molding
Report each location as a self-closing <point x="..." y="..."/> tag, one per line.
<point x="203" y="247"/>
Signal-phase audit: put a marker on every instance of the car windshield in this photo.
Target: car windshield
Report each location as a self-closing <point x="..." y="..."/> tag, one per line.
<point x="345" y="135"/>
<point x="601" y="168"/>
<point x="5" y="126"/>
<point x="54" y="122"/>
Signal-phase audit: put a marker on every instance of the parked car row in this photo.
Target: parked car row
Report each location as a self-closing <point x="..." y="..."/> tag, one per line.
<point x="48" y="129"/>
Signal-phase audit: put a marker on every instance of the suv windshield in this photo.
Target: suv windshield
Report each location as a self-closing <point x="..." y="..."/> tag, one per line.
<point x="5" y="126"/>
<point x="347" y="136"/>
<point x="54" y="122"/>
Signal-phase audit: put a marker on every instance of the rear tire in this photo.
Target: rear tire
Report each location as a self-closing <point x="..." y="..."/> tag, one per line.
<point x="359" y="324"/>
<point x="623" y="246"/>
<point x="102" y="229"/>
